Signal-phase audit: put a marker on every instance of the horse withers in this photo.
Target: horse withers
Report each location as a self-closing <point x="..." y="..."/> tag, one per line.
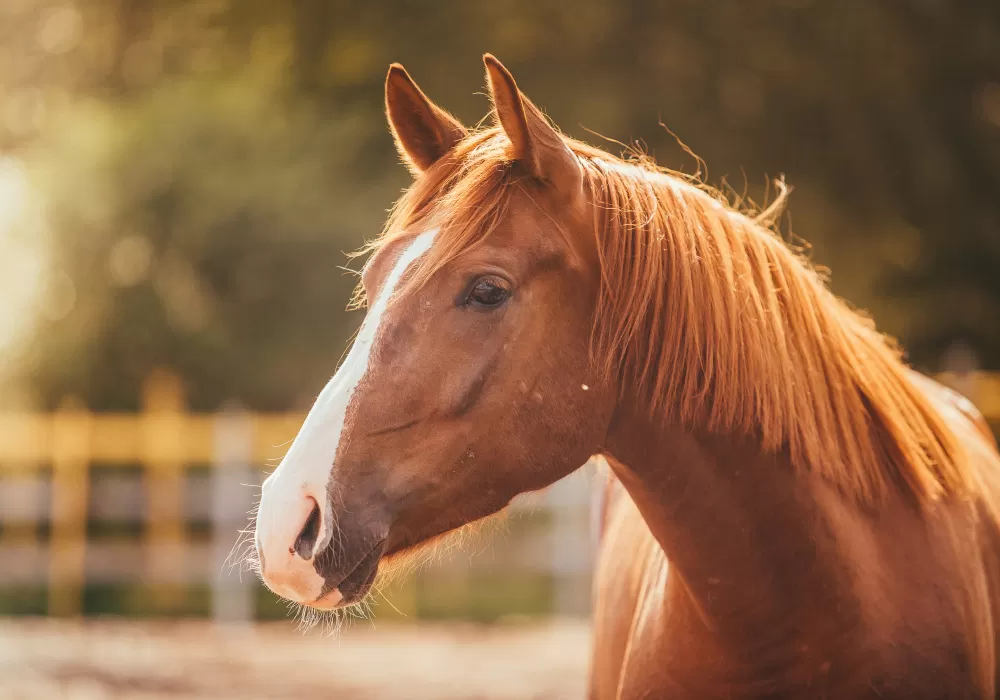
<point x="792" y="513"/>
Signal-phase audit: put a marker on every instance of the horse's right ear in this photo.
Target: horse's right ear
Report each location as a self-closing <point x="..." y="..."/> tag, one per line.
<point x="423" y="132"/>
<point x="534" y="141"/>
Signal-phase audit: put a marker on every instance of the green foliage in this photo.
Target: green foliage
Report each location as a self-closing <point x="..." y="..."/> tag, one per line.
<point x="204" y="228"/>
<point x="204" y="165"/>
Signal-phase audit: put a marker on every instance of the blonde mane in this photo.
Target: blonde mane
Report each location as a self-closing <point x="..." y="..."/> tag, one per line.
<point x="715" y="321"/>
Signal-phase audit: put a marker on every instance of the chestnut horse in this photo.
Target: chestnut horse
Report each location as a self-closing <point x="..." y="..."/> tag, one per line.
<point x="829" y="516"/>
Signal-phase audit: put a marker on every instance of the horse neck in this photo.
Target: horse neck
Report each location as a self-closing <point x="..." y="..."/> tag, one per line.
<point x="752" y="539"/>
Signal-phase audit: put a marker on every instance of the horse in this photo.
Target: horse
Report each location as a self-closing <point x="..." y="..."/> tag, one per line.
<point x="791" y="510"/>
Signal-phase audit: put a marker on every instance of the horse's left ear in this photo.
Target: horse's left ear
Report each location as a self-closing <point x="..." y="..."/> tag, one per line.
<point x="423" y="132"/>
<point x="534" y="141"/>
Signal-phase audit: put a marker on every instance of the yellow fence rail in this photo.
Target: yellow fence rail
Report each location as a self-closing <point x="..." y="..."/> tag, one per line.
<point x="164" y="439"/>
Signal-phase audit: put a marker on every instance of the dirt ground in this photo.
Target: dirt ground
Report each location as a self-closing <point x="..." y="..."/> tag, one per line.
<point x="48" y="660"/>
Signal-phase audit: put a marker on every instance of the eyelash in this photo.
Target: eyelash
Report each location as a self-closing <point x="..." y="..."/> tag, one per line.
<point x="487" y="284"/>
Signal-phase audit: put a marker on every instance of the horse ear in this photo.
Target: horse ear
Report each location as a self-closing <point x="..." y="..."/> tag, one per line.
<point x="423" y="132"/>
<point x="534" y="141"/>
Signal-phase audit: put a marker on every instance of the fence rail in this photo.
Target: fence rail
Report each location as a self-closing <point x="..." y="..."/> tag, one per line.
<point x="164" y="441"/>
<point x="191" y="467"/>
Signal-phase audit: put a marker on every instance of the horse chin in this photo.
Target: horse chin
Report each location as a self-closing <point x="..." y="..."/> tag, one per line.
<point x="329" y="601"/>
<point x="353" y="588"/>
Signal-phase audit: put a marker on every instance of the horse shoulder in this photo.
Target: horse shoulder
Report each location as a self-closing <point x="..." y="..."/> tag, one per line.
<point x="975" y="432"/>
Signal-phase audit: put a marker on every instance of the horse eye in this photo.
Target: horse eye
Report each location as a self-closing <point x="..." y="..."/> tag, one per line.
<point x="488" y="293"/>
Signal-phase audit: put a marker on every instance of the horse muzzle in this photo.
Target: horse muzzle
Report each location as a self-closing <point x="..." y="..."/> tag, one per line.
<point x="307" y="556"/>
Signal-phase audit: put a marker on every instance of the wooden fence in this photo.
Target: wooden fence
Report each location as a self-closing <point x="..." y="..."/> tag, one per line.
<point x="164" y="441"/>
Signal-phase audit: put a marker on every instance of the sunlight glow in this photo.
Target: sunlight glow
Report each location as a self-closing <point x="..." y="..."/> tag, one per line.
<point x="22" y="255"/>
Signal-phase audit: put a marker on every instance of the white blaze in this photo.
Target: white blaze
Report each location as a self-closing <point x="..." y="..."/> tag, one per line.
<point x="307" y="467"/>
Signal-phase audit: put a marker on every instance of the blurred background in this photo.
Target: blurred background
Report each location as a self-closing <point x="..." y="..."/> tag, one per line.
<point x="179" y="182"/>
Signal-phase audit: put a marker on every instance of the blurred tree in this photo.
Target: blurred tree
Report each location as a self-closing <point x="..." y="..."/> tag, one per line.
<point x="216" y="246"/>
<point x="205" y="163"/>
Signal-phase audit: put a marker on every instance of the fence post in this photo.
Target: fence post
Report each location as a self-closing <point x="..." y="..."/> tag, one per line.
<point x="70" y="489"/>
<point x="232" y="497"/>
<point x="569" y="501"/>
<point x="163" y="425"/>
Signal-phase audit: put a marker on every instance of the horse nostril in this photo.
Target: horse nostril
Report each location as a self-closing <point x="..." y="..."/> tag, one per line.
<point x="306" y="541"/>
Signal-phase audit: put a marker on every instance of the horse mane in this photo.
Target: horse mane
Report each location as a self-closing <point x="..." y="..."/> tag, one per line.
<point x="715" y="320"/>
